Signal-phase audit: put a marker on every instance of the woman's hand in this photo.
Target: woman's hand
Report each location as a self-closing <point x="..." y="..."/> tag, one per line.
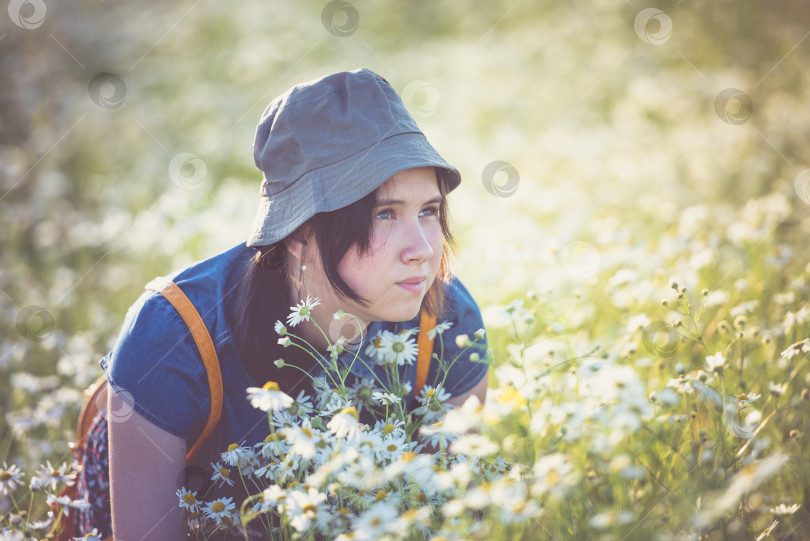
<point x="145" y="465"/>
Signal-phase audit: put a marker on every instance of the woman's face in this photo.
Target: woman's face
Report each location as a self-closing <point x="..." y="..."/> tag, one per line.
<point x="404" y="253"/>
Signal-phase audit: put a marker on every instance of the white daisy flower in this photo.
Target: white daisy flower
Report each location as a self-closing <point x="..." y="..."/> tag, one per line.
<point x="222" y="510"/>
<point x="783" y="509"/>
<point x="716" y="362"/>
<point x="439" y="329"/>
<point x="474" y="445"/>
<point x="280" y="329"/>
<point x="302" y="439"/>
<point x="53" y="476"/>
<point x="221" y="474"/>
<point x="479" y="334"/>
<point x="273" y="495"/>
<point x="777" y="389"/>
<point x="9" y="478"/>
<point x="385" y="398"/>
<point x="374" y="523"/>
<point x="66" y="503"/>
<point x="302" y="311"/>
<point x="269" y="397"/>
<point x="795" y="349"/>
<point x="188" y="500"/>
<point x="236" y="455"/>
<point x="303" y="507"/>
<point x="344" y="423"/>
<point x="390" y="427"/>
<point x="399" y="348"/>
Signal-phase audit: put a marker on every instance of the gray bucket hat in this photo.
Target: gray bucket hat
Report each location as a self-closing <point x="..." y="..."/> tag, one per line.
<point x="325" y="144"/>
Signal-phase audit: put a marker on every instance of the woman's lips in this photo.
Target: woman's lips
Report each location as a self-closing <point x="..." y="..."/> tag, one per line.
<point x="413" y="285"/>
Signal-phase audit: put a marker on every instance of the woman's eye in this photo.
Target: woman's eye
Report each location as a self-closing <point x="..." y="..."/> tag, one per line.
<point x="431" y="211"/>
<point x="384" y="214"/>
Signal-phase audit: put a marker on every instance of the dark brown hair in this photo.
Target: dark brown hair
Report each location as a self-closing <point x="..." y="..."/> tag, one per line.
<point x="262" y="293"/>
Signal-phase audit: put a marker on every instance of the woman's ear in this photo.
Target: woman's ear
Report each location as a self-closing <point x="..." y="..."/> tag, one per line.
<point x="298" y="242"/>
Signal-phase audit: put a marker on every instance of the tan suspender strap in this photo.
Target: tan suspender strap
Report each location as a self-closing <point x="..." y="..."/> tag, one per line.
<point x="202" y="338"/>
<point x="424" y="345"/>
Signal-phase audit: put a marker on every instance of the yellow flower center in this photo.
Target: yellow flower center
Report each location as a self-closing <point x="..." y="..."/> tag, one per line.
<point x="407" y="456"/>
<point x="306" y="431"/>
<point x="309" y="509"/>
<point x="225" y="472"/>
<point x="4" y="476"/>
<point x="381" y="495"/>
<point x="377" y="342"/>
<point x="351" y="410"/>
<point x="232" y="446"/>
<point x="398" y="347"/>
<point x="189" y="499"/>
<point x="391" y="447"/>
<point x="218" y="507"/>
<point x="430" y="393"/>
<point x="271" y="386"/>
<point x="387" y="429"/>
<point x="56" y="473"/>
<point x="376" y="521"/>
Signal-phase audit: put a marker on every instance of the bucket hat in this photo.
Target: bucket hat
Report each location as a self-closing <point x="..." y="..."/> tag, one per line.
<point x="325" y="144"/>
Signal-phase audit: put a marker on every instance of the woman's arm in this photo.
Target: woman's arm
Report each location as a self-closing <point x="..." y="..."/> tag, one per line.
<point x="145" y="465"/>
<point x="480" y="390"/>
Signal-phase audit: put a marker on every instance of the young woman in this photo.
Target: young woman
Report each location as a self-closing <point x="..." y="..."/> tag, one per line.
<point x="352" y="212"/>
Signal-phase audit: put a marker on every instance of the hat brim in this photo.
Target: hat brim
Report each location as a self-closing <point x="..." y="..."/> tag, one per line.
<point x="340" y="184"/>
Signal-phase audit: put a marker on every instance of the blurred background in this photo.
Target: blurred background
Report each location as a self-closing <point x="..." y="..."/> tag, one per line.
<point x="591" y="137"/>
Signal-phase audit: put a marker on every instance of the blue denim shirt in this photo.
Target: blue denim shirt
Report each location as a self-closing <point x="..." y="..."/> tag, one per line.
<point x="156" y="361"/>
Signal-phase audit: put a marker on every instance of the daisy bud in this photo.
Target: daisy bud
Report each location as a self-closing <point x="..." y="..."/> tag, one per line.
<point x="474" y="357"/>
<point x="705" y="292"/>
<point x="340" y="314"/>
<point x="280" y="363"/>
<point x="479" y="334"/>
<point x="673" y="284"/>
<point x="284" y="341"/>
<point x="462" y="340"/>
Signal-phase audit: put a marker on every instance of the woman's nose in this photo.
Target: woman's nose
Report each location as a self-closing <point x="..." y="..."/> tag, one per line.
<point x="417" y="244"/>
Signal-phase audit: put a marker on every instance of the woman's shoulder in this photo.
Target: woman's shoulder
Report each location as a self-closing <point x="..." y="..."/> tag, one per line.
<point x="155" y="360"/>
